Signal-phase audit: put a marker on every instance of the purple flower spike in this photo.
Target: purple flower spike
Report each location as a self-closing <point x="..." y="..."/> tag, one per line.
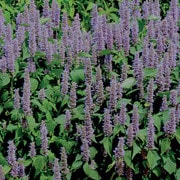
<point x="44" y="138"/>
<point x="64" y="165"/>
<point x="150" y="133"/>
<point x="85" y="145"/>
<point x="173" y="97"/>
<point x="119" y="156"/>
<point x="130" y="135"/>
<point x="11" y="158"/>
<point x="32" y="149"/>
<point x="56" y="170"/>
<point x="122" y="114"/>
<point x="16" y="99"/>
<point x="135" y="120"/>
<point x="73" y="96"/>
<point x="107" y="126"/>
<point x="26" y="104"/>
<point x="170" y="126"/>
<point x="88" y="125"/>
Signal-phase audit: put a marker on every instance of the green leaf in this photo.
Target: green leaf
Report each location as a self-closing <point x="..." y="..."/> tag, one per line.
<point x="6" y="169"/>
<point x="83" y="54"/>
<point x="25" y="52"/>
<point x="170" y="166"/>
<point x="11" y="127"/>
<point x="27" y="162"/>
<point x="77" y="75"/>
<point x="34" y="84"/>
<point x="105" y="52"/>
<point x="142" y="134"/>
<point x="2" y="160"/>
<point x="152" y="158"/>
<point x="93" y="152"/>
<point x="107" y="143"/>
<point x="39" y="162"/>
<point x="165" y="145"/>
<point x="4" y="79"/>
<point x="136" y="149"/>
<point x="50" y="126"/>
<point x="152" y="17"/>
<point x="123" y="100"/>
<point x="76" y="165"/>
<point x="128" y="159"/>
<point x="118" y="128"/>
<point x="128" y="83"/>
<point x="92" y="173"/>
<point x="150" y="72"/>
<point x="31" y="123"/>
<point x="44" y="20"/>
<point x="177" y="134"/>
<point x="61" y="119"/>
<point x="177" y="174"/>
<point x="157" y="122"/>
<point x="110" y="166"/>
<point x="90" y="6"/>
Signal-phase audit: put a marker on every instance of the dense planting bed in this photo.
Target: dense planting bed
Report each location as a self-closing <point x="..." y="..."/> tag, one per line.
<point x="89" y="91"/>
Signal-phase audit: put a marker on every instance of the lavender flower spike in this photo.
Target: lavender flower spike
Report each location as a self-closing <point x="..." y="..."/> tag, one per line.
<point x="11" y="153"/>
<point x="119" y="156"/>
<point x="32" y="150"/>
<point x="107" y="127"/>
<point x="26" y="104"/>
<point x="150" y="132"/>
<point x="85" y="146"/>
<point x="16" y="99"/>
<point x="130" y="135"/>
<point x="21" y="168"/>
<point x="56" y="170"/>
<point x="44" y="139"/>
<point x="170" y="126"/>
<point x="64" y="165"/>
<point x="73" y="96"/>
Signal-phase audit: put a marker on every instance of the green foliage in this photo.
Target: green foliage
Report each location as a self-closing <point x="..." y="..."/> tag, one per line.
<point x="160" y="162"/>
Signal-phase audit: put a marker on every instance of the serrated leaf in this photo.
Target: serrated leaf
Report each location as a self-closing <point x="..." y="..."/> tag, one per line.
<point x="105" y="52"/>
<point x="76" y="165"/>
<point x="50" y="126"/>
<point x="11" y="127"/>
<point x="93" y="152"/>
<point x="157" y="122"/>
<point x="92" y="173"/>
<point x="77" y="75"/>
<point x="61" y="119"/>
<point x="110" y="166"/>
<point x="152" y="17"/>
<point x="4" y="79"/>
<point x="83" y="54"/>
<point x="178" y="174"/>
<point x="128" y="159"/>
<point x="31" y="123"/>
<point x="34" y="84"/>
<point x="152" y="158"/>
<point x="128" y="83"/>
<point x="136" y="149"/>
<point x="165" y="145"/>
<point x="90" y="6"/>
<point x="170" y="166"/>
<point x="150" y="72"/>
<point x="107" y="143"/>
<point x="39" y="162"/>
<point x="6" y="169"/>
<point x="44" y="20"/>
